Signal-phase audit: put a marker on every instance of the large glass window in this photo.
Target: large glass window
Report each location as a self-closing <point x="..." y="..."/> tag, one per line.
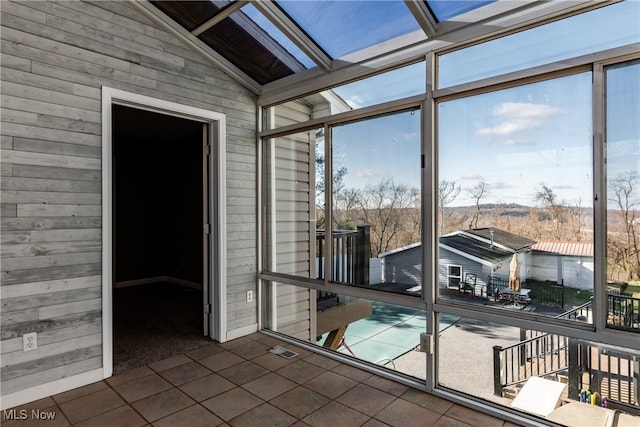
<point x="623" y="190"/>
<point x="383" y="334"/>
<point x="514" y="215"/>
<point x="290" y="196"/>
<point x="399" y="83"/>
<point x="515" y="196"/>
<point x="578" y="35"/>
<point x="496" y="362"/>
<point x="376" y="170"/>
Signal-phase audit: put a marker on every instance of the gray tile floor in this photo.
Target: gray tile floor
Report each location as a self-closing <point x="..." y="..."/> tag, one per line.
<point x="240" y="383"/>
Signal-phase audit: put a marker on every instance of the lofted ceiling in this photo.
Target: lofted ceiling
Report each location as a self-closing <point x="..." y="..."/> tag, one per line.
<point x="282" y="48"/>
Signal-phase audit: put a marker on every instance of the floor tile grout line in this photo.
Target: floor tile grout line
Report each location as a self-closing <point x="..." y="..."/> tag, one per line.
<point x="66" y="416"/>
<point x="133" y="408"/>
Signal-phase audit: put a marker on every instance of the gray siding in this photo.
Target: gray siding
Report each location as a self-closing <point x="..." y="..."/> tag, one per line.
<point x="572" y="271"/>
<point x="56" y="56"/>
<point x="403" y="267"/>
<point x="468" y="266"/>
<point x="291" y="230"/>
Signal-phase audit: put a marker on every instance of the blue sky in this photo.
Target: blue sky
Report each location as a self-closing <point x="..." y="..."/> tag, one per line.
<point x="518" y="138"/>
<point x="515" y="139"/>
<point x="376" y="149"/>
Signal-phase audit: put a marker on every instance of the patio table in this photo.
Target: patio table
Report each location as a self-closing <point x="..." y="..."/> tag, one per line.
<point x="516" y="297"/>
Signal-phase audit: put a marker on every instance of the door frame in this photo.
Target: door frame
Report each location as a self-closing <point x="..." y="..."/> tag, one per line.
<point x="217" y="280"/>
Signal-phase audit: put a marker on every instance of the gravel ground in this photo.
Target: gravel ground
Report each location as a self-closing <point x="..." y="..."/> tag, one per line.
<point x="466" y="357"/>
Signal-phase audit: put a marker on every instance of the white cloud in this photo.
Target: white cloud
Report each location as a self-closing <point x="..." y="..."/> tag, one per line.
<point x="406" y="136"/>
<point x="366" y="173"/>
<point x="524" y="109"/>
<point x="509" y="142"/>
<point x="474" y="177"/>
<point x="518" y="117"/>
<point x="508" y="127"/>
<point x="355" y="102"/>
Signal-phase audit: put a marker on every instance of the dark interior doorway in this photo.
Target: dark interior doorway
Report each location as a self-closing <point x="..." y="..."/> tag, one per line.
<point x="158" y="236"/>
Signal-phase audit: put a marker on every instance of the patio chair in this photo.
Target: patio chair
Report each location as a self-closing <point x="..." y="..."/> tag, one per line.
<point x="468" y="285"/>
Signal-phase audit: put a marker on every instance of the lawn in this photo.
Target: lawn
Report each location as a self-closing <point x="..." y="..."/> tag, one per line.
<point x="558" y="295"/>
<point x="631" y="288"/>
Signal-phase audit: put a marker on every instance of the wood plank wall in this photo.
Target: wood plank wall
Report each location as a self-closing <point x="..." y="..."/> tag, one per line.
<point x="56" y="56"/>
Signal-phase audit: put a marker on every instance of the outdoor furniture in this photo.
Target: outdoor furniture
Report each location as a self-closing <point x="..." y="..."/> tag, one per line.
<point x="539" y="396"/>
<point x="514" y="298"/>
<point x="468" y="285"/>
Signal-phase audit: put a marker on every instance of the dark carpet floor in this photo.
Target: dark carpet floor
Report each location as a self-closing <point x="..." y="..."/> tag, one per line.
<point x="153" y="322"/>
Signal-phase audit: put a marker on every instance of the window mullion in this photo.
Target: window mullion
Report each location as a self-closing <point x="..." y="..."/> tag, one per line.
<point x="600" y="200"/>
<point x="328" y="204"/>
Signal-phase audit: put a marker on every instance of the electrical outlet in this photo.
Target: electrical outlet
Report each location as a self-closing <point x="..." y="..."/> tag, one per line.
<point x="30" y="341"/>
<point x="249" y="296"/>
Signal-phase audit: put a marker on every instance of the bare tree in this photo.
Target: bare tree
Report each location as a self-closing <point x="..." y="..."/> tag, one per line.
<point x="477" y="193"/>
<point x="554" y="208"/>
<point x="345" y="205"/>
<point x="385" y="207"/>
<point x="623" y="249"/>
<point x="337" y="181"/>
<point x="448" y="191"/>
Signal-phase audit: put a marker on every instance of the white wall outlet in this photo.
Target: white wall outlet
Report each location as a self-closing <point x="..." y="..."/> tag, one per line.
<point x="249" y="296"/>
<point x="30" y="341"/>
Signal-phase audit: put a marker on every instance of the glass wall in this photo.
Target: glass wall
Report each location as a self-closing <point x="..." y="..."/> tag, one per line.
<point x="622" y="110"/>
<point x="515" y="197"/>
<point x="505" y="357"/>
<point x="376" y="171"/>
<point x="403" y="82"/>
<point x="568" y="38"/>
<point x="382" y="334"/>
<point x="510" y="178"/>
<point x="290" y="195"/>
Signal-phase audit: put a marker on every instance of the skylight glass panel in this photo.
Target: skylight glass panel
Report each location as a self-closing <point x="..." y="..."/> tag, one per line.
<point x="277" y="35"/>
<point x="344" y="27"/>
<point x="447" y="9"/>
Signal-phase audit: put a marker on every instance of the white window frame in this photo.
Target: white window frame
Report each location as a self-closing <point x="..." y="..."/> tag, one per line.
<point x="451" y="276"/>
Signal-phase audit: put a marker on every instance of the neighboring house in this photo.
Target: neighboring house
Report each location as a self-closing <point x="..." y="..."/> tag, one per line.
<point x="402" y="265"/>
<point x="484" y="252"/>
<point x="568" y="263"/>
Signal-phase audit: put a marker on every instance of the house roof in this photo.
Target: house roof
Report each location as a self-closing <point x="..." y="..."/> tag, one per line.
<point x="510" y="241"/>
<point x="565" y="248"/>
<point x="473" y="248"/>
<point x="401" y="249"/>
<point x="271" y="46"/>
<point x="477" y="245"/>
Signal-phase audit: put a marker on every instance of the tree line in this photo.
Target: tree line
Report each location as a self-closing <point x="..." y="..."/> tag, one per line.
<point x="394" y="212"/>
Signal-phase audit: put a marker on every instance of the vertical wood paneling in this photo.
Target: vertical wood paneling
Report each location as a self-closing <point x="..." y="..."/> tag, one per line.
<point x="56" y="57"/>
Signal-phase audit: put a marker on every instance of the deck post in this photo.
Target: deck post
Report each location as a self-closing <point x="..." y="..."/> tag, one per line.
<point x="497" y="382"/>
<point x="575" y="380"/>
<point x="363" y="254"/>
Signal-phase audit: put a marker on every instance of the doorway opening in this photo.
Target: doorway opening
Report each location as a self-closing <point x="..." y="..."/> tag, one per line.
<point x="177" y="123"/>
<point x="160" y="262"/>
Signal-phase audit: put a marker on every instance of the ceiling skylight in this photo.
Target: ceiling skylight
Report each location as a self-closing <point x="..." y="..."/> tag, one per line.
<point x="344" y="27"/>
<point x="270" y="44"/>
<point x="277" y="35"/>
<point x="447" y="9"/>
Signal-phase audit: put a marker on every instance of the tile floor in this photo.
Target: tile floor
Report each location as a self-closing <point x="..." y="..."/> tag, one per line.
<point x="240" y="383"/>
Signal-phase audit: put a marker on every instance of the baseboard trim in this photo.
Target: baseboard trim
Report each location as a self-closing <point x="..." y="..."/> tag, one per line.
<point x="146" y="281"/>
<point x="49" y="389"/>
<point x="241" y="332"/>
